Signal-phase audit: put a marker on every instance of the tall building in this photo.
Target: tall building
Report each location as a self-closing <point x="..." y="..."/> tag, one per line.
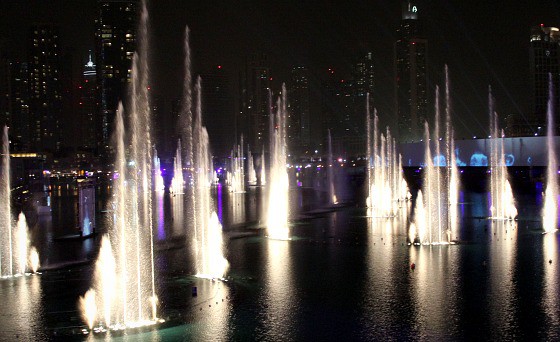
<point x="364" y="76"/>
<point x="19" y="106"/>
<point x="411" y="53"/>
<point x="544" y="50"/>
<point x="115" y="39"/>
<point x="88" y="108"/>
<point x="253" y="116"/>
<point x="45" y="86"/>
<point x="218" y="110"/>
<point x="298" y="120"/>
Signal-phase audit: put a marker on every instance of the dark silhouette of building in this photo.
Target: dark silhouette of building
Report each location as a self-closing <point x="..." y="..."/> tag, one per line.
<point x="45" y="88"/>
<point x="253" y="116"/>
<point x="218" y="110"/>
<point x="115" y="39"/>
<point x="411" y="53"/>
<point x="19" y="106"/>
<point x="298" y="116"/>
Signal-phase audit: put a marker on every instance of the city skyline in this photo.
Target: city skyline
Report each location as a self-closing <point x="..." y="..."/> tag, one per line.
<point x="322" y="37"/>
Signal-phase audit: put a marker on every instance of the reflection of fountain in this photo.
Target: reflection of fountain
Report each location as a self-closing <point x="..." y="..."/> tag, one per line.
<point x="436" y="205"/>
<point x="387" y="187"/>
<point x="251" y="168"/>
<point x="503" y="282"/>
<point x="14" y="256"/>
<point x="550" y="210"/>
<point x="503" y="206"/>
<point x="277" y="213"/>
<point x="330" y="172"/>
<point x="124" y="286"/>
<point x="178" y="183"/>
<point x="236" y="178"/>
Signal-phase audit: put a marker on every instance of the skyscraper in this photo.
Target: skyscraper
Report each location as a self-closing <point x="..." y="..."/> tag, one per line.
<point x="19" y="106"/>
<point x="544" y="53"/>
<point x="298" y="120"/>
<point x="45" y="88"/>
<point x="253" y="116"/>
<point x="411" y="53"/>
<point x="88" y="108"/>
<point x="364" y="76"/>
<point x="115" y="39"/>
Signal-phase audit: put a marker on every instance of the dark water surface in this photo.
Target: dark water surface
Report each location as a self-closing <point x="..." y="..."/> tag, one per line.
<point x="343" y="277"/>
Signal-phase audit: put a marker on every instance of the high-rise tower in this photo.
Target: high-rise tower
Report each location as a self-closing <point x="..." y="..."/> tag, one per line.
<point x="544" y="53"/>
<point x="298" y="119"/>
<point x="411" y="53"/>
<point x="45" y="88"/>
<point x="115" y="39"/>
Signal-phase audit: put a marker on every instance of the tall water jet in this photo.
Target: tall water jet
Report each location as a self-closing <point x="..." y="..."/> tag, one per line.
<point x="178" y="182"/>
<point x="550" y="210"/>
<point x="251" y="168"/>
<point x="129" y="298"/>
<point x="158" y="178"/>
<point x="440" y="183"/>
<point x="277" y="212"/>
<point x="386" y="185"/>
<point x="236" y="178"/>
<point x="263" y="169"/>
<point x="453" y="170"/>
<point x="502" y="203"/>
<point x="330" y="171"/>
<point x="208" y="240"/>
<point x="6" y="245"/>
<point x="21" y="246"/>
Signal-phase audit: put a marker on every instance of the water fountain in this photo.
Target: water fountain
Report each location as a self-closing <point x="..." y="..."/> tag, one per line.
<point x="330" y="171"/>
<point x="124" y="295"/>
<point x="15" y="256"/>
<point x="207" y="240"/>
<point x="178" y="183"/>
<point x="435" y="214"/>
<point x="277" y="212"/>
<point x="387" y="188"/>
<point x="251" y="167"/>
<point x="210" y="261"/>
<point x="6" y="253"/>
<point x="158" y="178"/>
<point x="550" y="210"/>
<point x="502" y="203"/>
<point x="263" y="170"/>
<point x="236" y="177"/>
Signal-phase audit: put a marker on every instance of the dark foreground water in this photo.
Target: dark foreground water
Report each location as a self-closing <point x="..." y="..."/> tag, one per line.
<point x="343" y="277"/>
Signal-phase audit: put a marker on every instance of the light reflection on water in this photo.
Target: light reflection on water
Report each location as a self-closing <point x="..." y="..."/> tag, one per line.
<point x="501" y="267"/>
<point x="345" y="271"/>
<point x="551" y="300"/>
<point x="279" y="302"/>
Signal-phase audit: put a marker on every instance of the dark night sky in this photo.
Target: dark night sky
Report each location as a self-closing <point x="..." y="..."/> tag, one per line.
<point x="483" y="42"/>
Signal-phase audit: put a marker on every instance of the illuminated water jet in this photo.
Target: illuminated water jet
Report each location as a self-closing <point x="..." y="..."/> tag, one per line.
<point x="124" y="281"/>
<point x="386" y="185"/>
<point x="502" y="205"/>
<point x="277" y="212"/>
<point x="550" y="210"/>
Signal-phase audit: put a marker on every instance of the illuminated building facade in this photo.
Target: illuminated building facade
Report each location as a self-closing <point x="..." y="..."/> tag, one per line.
<point x="544" y="50"/>
<point x="45" y="89"/>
